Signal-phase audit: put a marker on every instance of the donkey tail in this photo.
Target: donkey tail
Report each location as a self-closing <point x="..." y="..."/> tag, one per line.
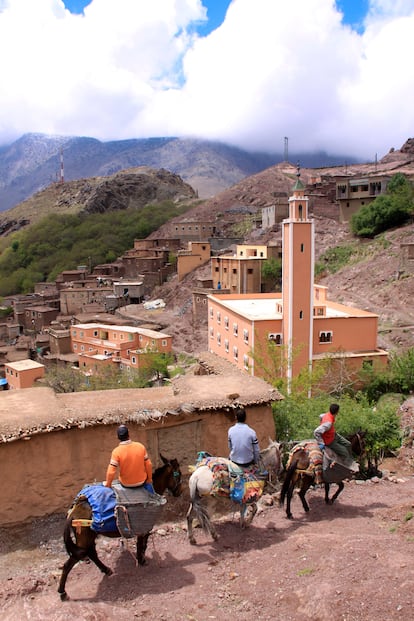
<point x="201" y="514"/>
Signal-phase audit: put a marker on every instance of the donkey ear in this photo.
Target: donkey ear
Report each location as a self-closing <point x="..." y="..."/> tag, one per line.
<point x="165" y="461"/>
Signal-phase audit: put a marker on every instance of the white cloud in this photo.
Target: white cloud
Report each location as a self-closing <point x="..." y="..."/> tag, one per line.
<point x="273" y="69"/>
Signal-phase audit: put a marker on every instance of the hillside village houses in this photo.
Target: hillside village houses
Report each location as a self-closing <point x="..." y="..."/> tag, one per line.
<point x="83" y="295"/>
<point x="300" y="319"/>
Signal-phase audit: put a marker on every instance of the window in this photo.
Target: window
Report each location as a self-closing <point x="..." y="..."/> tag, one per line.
<point x="325" y="337"/>
<point x="246" y="362"/>
<point x="211" y="333"/>
<point x="226" y="345"/>
<point x="235" y="353"/>
<point x="75" y="347"/>
<point x="218" y="317"/>
<point x="211" y="312"/>
<point x="218" y="338"/>
<point x="275" y="337"/>
<point x="245" y="336"/>
<point x="226" y="323"/>
<point x="164" y="342"/>
<point x="367" y="364"/>
<point x="133" y="360"/>
<point x="302" y="247"/>
<point x="95" y="332"/>
<point x="250" y="270"/>
<point x="234" y="270"/>
<point x="300" y="314"/>
<point x="235" y="329"/>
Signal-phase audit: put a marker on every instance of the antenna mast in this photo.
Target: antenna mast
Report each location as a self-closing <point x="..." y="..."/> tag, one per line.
<point x="286" y="149"/>
<point x="62" y="176"/>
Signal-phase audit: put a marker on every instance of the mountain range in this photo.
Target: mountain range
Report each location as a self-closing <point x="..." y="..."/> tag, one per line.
<point x="35" y="161"/>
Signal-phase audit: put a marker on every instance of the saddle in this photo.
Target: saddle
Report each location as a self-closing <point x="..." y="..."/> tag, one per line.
<point x="242" y="485"/>
<point x="132" y="511"/>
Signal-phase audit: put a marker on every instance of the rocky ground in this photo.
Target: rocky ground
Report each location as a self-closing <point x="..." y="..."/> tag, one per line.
<point x="348" y="562"/>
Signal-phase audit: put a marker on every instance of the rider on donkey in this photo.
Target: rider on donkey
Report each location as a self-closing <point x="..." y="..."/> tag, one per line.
<point x="135" y="467"/>
<point x="326" y="435"/>
<point x="243" y="443"/>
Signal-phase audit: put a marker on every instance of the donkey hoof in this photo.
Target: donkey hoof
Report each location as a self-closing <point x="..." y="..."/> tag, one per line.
<point x="108" y="571"/>
<point x="142" y="561"/>
<point x="192" y="541"/>
<point x="64" y="597"/>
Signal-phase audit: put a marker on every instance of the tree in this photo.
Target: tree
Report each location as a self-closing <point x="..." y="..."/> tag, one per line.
<point x="391" y="209"/>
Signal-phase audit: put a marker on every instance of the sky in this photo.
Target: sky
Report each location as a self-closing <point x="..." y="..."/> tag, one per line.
<point x="331" y="75"/>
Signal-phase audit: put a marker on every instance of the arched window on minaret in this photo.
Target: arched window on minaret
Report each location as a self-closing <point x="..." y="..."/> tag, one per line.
<point x="300" y="212"/>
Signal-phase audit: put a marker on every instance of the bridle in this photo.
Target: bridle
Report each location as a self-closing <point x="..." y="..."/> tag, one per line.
<point x="174" y="489"/>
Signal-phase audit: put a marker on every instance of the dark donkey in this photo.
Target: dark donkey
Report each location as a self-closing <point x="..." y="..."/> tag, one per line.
<point x="166" y="477"/>
<point x="301" y="470"/>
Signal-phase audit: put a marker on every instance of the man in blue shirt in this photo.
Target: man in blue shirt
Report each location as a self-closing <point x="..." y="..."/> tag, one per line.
<point x="243" y="443"/>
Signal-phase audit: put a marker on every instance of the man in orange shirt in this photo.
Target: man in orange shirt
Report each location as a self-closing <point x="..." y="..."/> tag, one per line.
<point x="135" y="467"/>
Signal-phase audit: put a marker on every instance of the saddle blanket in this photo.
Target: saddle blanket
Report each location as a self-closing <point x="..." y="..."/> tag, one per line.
<point x="315" y="468"/>
<point x="231" y="481"/>
<point x="102" y="501"/>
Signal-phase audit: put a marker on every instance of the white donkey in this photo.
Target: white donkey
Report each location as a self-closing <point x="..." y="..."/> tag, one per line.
<point x="201" y="484"/>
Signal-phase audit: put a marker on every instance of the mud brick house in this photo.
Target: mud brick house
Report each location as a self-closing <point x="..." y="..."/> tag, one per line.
<point x="55" y="435"/>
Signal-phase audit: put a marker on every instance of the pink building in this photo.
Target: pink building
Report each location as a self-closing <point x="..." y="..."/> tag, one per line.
<point x="300" y="318"/>
<point x="99" y="344"/>
<point x="23" y="373"/>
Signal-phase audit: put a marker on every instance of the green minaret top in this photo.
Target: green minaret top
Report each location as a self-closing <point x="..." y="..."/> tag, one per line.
<point x="298" y="184"/>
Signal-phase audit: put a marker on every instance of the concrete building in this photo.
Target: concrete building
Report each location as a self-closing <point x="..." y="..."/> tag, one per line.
<point x="197" y="254"/>
<point x="352" y="193"/>
<point x="98" y="345"/>
<point x="300" y="318"/>
<point x="241" y="272"/>
<point x="23" y="373"/>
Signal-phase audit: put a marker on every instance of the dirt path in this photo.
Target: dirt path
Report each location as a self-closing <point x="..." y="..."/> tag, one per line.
<point x="352" y="561"/>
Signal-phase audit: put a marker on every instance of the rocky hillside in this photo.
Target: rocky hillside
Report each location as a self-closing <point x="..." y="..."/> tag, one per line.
<point x="130" y="188"/>
<point x="33" y="162"/>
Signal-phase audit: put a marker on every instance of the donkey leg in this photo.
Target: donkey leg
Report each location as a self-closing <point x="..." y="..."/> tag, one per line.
<point x="304" y="486"/>
<point x="67" y="567"/>
<point x="247" y="513"/>
<point x="289" y="495"/>
<point x="190" y="517"/>
<point x="142" y="542"/>
<point x="338" y="491"/>
<point x="93" y="555"/>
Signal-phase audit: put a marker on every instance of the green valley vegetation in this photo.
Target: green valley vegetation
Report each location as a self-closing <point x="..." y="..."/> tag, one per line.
<point x="368" y="402"/>
<point x="394" y="208"/>
<point x="157" y="367"/>
<point x="63" y="242"/>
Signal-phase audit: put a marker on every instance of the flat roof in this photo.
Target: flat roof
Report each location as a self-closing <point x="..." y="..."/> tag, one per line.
<point x="253" y="308"/>
<point x="23" y="365"/>
<point x="258" y="308"/>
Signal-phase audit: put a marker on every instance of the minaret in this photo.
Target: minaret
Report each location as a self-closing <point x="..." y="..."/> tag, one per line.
<point x="297" y="282"/>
